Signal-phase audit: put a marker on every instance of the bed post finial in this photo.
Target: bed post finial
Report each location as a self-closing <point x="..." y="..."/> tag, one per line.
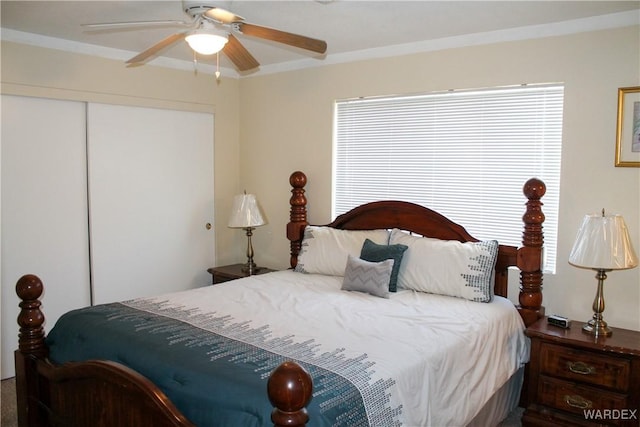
<point x="298" y="214"/>
<point x="289" y="387"/>
<point x="31" y="338"/>
<point x="530" y="254"/>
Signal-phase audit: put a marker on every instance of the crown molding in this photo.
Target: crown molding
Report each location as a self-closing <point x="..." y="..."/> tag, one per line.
<point x="596" y="23"/>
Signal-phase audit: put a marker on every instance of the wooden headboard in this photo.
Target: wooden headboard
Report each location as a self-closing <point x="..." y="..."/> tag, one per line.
<point x="425" y="222"/>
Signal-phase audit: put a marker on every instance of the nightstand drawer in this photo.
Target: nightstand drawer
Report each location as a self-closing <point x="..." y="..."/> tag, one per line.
<point x="577" y="399"/>
<point x="586" y="367"/>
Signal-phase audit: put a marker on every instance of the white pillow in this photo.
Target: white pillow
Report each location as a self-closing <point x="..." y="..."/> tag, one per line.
<point x="325" y="249"/>
<point x="369" y="277"/>
<point x="447" y="267"/>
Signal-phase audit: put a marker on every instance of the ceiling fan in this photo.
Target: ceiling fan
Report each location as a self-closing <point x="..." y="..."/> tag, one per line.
<point x="212" y="30"/>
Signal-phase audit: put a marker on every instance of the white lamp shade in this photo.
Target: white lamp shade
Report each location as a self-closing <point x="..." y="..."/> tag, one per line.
<point x="246" y="212"/>
<point x="603" y="243"/>
<point x="205" y="42"/>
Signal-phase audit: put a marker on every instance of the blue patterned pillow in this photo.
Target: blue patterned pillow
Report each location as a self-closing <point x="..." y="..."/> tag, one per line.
<point x="369" y="277"/>
<point x="375" y="253"/>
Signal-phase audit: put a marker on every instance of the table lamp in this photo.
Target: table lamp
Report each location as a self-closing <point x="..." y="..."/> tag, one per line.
<point x="602" y="244"/>
<point x="246" y="214"/>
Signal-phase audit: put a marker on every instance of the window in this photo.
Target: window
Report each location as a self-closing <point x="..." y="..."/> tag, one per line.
<point x="465" y="154"/>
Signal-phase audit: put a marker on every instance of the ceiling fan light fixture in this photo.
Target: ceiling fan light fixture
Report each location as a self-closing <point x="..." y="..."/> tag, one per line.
<point x="206" y="42"/>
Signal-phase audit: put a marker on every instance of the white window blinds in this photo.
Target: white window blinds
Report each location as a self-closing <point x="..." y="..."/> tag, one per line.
<point x="465" y="154"/>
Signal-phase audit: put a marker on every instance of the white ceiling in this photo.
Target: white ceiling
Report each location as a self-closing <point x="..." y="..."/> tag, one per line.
<point x="352" y="29"/>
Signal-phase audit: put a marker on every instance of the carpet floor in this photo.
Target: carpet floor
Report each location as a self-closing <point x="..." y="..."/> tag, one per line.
<point x="8" y="403"/>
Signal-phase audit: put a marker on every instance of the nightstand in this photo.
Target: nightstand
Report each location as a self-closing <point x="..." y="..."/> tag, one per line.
<point x="576" y="379"/>
<point x="232" y="272"/>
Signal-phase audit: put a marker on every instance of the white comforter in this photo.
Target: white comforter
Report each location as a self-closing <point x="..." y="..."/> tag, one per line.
<point x="446" y="355"/>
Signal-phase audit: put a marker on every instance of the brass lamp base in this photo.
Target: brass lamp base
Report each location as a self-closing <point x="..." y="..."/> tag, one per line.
<point x="250" y="268"/>
<point x="597" y="326"/>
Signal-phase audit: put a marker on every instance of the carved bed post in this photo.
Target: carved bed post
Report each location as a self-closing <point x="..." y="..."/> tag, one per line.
<point x="530" y="254"/>
<point x="289" y="388"/>
<point x="298" y="214"/>
<point x="31" y="347"/>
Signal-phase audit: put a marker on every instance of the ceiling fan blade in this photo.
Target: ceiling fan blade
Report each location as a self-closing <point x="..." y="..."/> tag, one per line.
<point x="223" y="15"/>
<point x="291" y="39"/>
<point x="154" y="50"/>
<point x="239" y="55"/>
<point x="134" y="24"/>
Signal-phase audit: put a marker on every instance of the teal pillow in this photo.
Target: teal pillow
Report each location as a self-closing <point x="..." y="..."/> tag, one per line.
<point x="375" y="253"/>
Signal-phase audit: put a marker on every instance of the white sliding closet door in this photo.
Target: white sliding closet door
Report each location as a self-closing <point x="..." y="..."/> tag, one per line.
<point x="44" y="209"/>
<point x="150" y="199"/>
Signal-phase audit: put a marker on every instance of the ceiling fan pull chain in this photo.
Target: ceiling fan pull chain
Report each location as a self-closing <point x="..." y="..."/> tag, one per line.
<point x="195" y="63"/>
<point x="218" y="66"/>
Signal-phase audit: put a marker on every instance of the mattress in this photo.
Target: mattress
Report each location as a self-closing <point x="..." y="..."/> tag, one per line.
<point x="415" y="359"/>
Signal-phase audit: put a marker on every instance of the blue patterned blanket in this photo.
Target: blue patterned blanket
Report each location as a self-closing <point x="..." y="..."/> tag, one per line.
<point x="213" y="379"/>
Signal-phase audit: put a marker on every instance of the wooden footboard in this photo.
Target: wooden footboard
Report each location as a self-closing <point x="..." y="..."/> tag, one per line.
<point x="102" y="393"/>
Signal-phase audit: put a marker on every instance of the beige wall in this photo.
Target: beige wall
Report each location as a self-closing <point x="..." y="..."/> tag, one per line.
<point x="287" y="125"/>
<point x="47" y="73"/>
<point x="269" y="126"/>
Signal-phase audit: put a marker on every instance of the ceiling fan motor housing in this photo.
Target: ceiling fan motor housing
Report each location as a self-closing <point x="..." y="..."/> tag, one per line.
<point x="197" y="7"/>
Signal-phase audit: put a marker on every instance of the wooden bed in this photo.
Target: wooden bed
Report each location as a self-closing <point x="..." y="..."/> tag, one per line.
<point x="105" y="393"/>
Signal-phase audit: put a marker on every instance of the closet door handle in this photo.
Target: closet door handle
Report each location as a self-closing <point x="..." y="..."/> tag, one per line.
<point x="208" y="226"/>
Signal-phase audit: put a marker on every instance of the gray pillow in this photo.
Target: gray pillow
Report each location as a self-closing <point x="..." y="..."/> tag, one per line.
<point x="369" y="277"/>
<point x="375" y="253"/>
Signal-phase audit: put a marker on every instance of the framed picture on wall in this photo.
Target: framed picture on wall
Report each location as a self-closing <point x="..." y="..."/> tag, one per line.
<point x="628" y="129"/>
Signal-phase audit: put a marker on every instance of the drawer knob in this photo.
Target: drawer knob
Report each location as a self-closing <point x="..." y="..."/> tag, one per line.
<point x="581" y="368"/>
<point x="577" y="401"/>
